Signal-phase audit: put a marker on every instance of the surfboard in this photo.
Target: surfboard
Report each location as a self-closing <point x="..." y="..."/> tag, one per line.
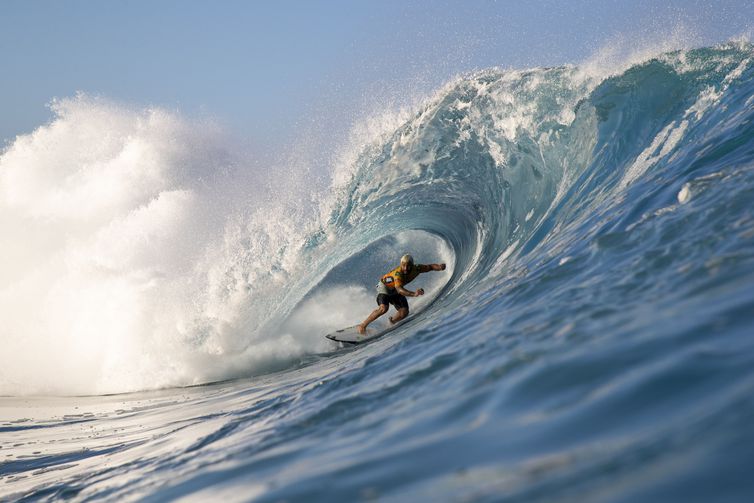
<point x="350" y="335"/>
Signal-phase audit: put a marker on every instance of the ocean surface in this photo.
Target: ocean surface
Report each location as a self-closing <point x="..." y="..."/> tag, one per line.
<point x="164" y="307"/>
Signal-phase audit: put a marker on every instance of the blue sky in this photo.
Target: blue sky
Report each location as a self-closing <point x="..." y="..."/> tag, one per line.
<point x="267" y="69"/>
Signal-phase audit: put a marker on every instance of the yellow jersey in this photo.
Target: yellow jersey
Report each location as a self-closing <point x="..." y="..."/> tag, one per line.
<point x="396" y="278"/>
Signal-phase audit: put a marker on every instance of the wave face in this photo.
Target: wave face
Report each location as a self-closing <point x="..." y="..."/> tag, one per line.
<point x="592" y="335"/>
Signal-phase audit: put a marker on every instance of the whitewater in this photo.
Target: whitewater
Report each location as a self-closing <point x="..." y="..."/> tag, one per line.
<point x="164" y="305"/>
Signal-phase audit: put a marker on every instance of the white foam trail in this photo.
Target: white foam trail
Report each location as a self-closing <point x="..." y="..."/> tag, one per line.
<point x="137" y="254"/>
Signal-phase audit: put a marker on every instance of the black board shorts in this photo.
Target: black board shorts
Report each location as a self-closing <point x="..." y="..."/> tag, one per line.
<point x="396" y="299"/>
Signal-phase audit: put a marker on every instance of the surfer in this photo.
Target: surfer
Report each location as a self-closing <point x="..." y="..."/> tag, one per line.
<point x="390" y="290"/>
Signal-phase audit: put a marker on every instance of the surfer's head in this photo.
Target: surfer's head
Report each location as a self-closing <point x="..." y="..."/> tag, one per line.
<point x="407" y="262"/>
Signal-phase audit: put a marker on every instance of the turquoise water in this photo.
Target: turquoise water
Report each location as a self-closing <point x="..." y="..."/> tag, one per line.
<point x="590" y="341"/>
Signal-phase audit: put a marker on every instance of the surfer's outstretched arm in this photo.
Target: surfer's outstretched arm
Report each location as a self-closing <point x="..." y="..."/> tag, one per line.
<point x="432" y="267"/>
<point x="409" y="293"/>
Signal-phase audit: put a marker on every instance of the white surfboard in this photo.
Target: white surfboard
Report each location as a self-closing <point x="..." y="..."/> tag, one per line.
<point x="350" y="335"/>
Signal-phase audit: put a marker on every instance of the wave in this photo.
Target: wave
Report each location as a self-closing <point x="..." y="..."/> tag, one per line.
<point x="145" y="251"/>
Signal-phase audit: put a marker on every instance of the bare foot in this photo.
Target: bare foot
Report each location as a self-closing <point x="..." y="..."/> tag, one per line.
<point x="361" y="329"/>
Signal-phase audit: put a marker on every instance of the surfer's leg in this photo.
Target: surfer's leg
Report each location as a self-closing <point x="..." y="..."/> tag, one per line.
<point x="401" y="304"/>
<point x="382" y="309"/>
<point x="402" y="313"/>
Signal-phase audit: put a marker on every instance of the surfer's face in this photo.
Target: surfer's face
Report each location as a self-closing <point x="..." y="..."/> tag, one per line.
<point x="405" y="267"/>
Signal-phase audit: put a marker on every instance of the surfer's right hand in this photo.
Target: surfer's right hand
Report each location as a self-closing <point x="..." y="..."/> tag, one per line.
<point x="420" y="291"/>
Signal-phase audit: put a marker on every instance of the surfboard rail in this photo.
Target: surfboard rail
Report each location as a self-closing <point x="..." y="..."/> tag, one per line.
<point x="350" y="335"/>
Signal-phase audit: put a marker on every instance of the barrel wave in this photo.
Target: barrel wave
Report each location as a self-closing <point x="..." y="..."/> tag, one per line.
<point x="590" y="339"/>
